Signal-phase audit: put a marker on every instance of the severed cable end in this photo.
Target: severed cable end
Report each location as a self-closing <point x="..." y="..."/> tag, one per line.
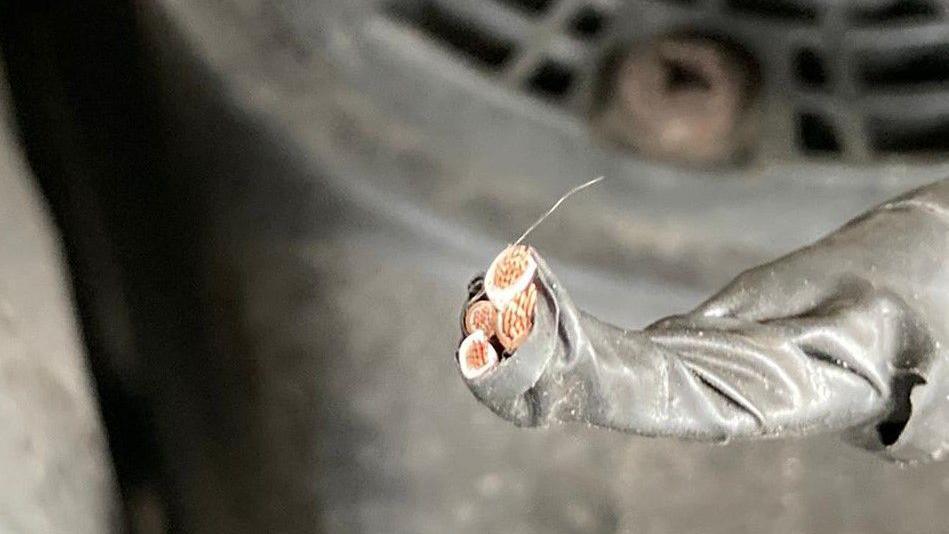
<point x="509" y="274"/>
<point x="476" y="355"/>
<point x="495" y="331"/>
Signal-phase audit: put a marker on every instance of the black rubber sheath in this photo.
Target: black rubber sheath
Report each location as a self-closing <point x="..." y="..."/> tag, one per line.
<point x="846" y="335"/>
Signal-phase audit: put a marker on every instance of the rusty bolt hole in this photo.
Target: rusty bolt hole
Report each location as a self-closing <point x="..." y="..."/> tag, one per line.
<point x="686" y="99"/>
<point x="681" y="77"/>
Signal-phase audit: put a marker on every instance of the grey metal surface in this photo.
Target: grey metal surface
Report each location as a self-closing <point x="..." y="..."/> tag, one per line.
<point x="356" y="211"/>
<point x="54" y="458"/>
<point x="401" y="131"/>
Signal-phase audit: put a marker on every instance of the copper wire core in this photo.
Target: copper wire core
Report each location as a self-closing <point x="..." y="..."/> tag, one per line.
<point x="477" y="356"/>
<point x="483" y="316"/>
<point x="514" y="264"/>
<point x="509" y="274"/>
<point x="517" y="318"/>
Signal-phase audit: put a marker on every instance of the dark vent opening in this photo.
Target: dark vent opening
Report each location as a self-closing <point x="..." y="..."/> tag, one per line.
<point x="787" y="10"/>
<point x="534" y="7"/>
<point x="902" y="137"/>
<point x="587" y="23"/>
<point x="551" y="80"/>
<point x="809" y="68"/>
<point x="460" y="35"/>
<point x="915" y="67"/>
<point x="895" y="12"/>
<point x="817" y="135"/>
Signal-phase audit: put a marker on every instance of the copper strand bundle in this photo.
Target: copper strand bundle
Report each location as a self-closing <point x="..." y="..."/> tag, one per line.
<point x="509" y="275"/>
<point x="505" y="320"/>
<point x="482" y="315"/>
<point x="501" y="323"/>
<point x="517" y="319"/>
<point x="476" y="355"/>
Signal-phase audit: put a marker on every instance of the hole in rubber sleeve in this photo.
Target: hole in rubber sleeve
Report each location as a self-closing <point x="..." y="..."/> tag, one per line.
<point x="892" y="427"/>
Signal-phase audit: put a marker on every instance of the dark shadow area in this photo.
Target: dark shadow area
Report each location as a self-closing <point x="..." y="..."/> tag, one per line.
<point x="464" y="37"/>
<point x="786" y="10"/>
<point x="911" y="67"/>
<point x="816" y="134"/>
<point x="172" y="217"/>
<point x="534" y="7"/>
<point x="588" y="22"/>
<point x="85" y="118"/>
<point x="902" y="136"/>
<point x="899" y="11"/>
<point x="809" y="68"/>
<point x="551" y="80"/>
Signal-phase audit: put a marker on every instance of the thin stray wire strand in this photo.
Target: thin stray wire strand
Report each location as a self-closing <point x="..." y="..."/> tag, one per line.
<point x="542" y="218"/>
<point x="556" y="205"/>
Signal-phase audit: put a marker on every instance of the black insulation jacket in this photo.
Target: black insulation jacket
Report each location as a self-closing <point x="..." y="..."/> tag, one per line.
<point x="846" y="335"/>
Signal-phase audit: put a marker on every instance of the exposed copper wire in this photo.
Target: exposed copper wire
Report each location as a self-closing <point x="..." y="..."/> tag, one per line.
<point x="509" y="311"/>
<point x="517" y="285"/>
<point x="476" y="355"/>
<point x="482" y="315"/>
<point x="517" y="319"/>
<point x="556" y="205"/>
<point x="509" y="274"/>
<point x="512" y="266"/>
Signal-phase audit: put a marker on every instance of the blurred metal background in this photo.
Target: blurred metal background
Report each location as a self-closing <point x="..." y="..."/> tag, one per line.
<point x="270" y="210"/>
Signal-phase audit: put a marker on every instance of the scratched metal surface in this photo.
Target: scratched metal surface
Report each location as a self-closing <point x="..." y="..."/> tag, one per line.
<point x="345" y="230"/>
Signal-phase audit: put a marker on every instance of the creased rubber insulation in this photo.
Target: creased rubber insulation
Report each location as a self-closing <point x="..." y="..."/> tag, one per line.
<point x="847" y="335"/>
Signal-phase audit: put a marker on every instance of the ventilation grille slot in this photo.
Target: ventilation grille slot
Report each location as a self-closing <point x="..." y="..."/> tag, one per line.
<point x="551" y="80"/>
<point x="533" y="7"/>
<point x="910" y="137"/>
<point x="782" y="10"/>
<point x="560" y="52"/>
<point x="587" y="23"/>
<point x="464" y="37"/>
<point x="816" y="135"/>
<point x="913" y="67"/>
<point x="809" y="68"/>
<point x="542" y="71"/>
<point x="899" y="12"/>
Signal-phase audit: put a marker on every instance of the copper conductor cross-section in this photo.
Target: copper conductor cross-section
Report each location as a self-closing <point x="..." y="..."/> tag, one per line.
<point x="476" y="355"/>
<point x="517" y="318"/>
<point x="481" y="315"/>
<point x="509" y="274"/>
<point x="513" y="264"/>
